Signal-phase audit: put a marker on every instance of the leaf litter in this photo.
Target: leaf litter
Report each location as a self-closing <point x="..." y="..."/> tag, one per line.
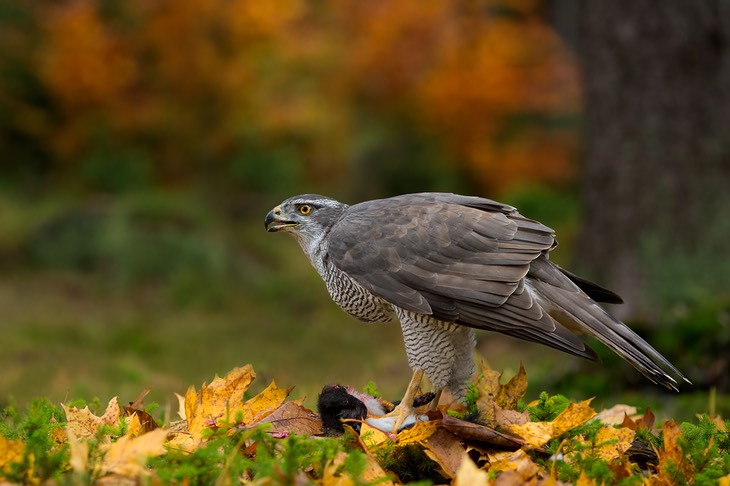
<point x="271" y="439"/>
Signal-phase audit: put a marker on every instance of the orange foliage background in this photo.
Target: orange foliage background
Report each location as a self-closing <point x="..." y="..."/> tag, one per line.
<point x="201" y="87"/>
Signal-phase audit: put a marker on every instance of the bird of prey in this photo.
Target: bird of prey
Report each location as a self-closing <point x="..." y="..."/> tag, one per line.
<point x="444" y="265"/>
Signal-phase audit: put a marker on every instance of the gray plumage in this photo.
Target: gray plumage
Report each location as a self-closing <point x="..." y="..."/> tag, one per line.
<point x="446" y="264"/>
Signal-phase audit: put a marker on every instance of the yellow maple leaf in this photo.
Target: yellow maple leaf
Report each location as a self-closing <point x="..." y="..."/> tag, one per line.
<point x="10" y="451"/>
<point x="609" y="444"/>
<point x="128" y="455"/>
<point x="612" y="442"/>
<point x="259" y="406"/>
<point x="205" y="407"/>
<point x="371" y="436"/>
<point x="537" y="434"/>
<point x="418" y="434"/>
<point x="84" y="424"/>
<point x="576" y="414"/>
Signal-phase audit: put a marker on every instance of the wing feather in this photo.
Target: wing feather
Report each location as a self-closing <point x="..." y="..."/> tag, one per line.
<point x="481" y="264"/>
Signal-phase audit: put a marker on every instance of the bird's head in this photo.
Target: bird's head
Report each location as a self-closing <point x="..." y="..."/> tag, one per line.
<point x="307" y="217"/>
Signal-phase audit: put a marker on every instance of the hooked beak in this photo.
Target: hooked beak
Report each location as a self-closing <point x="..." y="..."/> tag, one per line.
<point x="274" y="221"/>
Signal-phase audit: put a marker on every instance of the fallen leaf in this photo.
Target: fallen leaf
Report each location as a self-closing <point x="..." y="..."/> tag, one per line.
<point x="371" y="437"/>
<point x="479" y="433"/>
<point x="418" y="434"/>
<point x="671" y="448"/>
<point x="537" y="434"/>
<point x="446" y="450"/>
<point x="255" y="409"/>
<point x="372" y="474"/>
<point x="146" y="421"/>
<point x="584" y="480"/>
<point x="468" y="474"/>
<point x="295" y="418"/>
<point x="609" y="444"/>
<point x="612" y="442"/>
<point x="645" y="421"/>
<point x="515" y="389"/>
<point x="181" y="406"/>
<point x="84" y="424"/>
<point x="79" y="453"/>
<point x="203" y="408"/>
<point x="492" y="393"/>
<point x="519" y="462"/>
<point x="10" y="451"/>
<point x="505" y="417"/>
<point x="128" y="455"/>
<point x="576" y="414"/>
<point x="616" y="414"/>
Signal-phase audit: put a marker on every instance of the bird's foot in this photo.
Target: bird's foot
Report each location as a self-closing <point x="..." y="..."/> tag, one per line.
<point x="403" y="413"/>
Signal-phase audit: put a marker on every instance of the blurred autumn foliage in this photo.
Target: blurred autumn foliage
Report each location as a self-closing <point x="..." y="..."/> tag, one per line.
<point x="110" y="95"/>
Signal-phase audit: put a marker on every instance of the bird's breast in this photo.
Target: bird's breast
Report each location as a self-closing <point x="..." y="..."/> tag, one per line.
<point x="354" y="299"/>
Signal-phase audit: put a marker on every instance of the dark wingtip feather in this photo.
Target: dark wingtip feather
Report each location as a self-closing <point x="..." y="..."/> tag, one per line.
<point x="593" y="290"/>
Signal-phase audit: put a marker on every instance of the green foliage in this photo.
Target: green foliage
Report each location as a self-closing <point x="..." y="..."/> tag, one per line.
<point x="371" y="389"/>
<point x="706" y="449"/>
<point x="547" y="407"/>
<point x="408" y="463"/>
<point x="46" y="458"/>
<point x="231" y="454"/>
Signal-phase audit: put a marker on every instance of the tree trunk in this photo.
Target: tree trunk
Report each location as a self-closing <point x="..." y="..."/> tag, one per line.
<point x="656" y="162"/>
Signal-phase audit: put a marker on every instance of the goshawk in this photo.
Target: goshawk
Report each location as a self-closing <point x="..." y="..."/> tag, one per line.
<point x="446" y="264"/>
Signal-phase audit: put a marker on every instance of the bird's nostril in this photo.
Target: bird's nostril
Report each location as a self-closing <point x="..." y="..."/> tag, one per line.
<point x="277" y="212"/>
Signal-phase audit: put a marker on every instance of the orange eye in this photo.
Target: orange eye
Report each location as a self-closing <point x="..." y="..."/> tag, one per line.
<point x="305" y="209"/>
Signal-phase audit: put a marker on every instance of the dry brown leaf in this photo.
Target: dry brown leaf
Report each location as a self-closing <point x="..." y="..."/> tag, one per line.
<point x="446" y="450"/>
<point x="492" y="393"/>
<point x="479" y="433"/>
<point x="84" y="424"/>
<point x="515" y="389"/>
<point x="468" y="474"/>
<point x="637" y="423"/>
<point x="616" y="414"/>
<point x="128" y="455"/>
<point x="146" y="421"/>
<point x="507" y="417"/>
<point x="294" y="418"/>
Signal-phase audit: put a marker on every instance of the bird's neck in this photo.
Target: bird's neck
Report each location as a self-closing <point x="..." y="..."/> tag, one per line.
<point x="316" y="251"/>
